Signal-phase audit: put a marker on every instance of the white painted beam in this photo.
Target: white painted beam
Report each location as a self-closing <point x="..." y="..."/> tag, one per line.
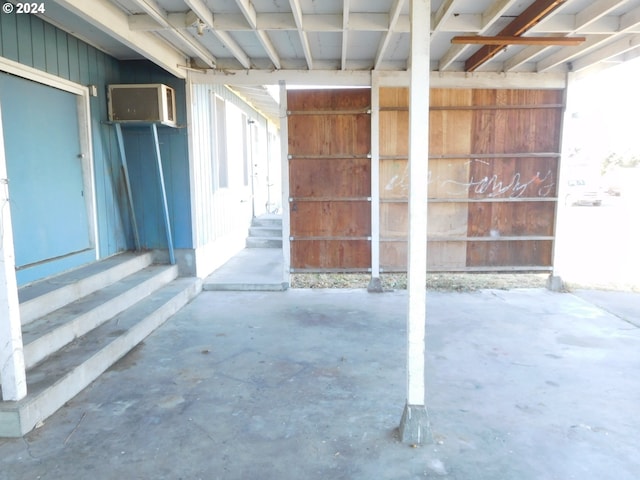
<point x="628" y="23"/>
<point x="625" y="44"/>
<point x="304" y="40"/>
<point x="284" y="170"/>
<point x="12" y="368"/>
<point x="394" y="14"/>
<point x="110" y="19"/>
<point x="249" y="12"/>
<point x="444" y="12"/>
<point x="269" y="48"/>
<point x="586" y="17"/>
<point x="414" y="426"/>
<point x="356" y="78"/>
<point x="184" y="40"/>
<point x="345" y="33"/>
<point x="251" y="16"/>
<point x="375" y="176"/>
<point x="567" y="54"/>
<point x="203" y="13"/>
<point x="418" y="174"/>
<point x="362" y="78"/>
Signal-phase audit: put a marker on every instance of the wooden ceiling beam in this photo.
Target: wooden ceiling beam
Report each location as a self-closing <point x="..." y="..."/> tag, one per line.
<point x="523" y="22"/>
<point x="511" y="40"/>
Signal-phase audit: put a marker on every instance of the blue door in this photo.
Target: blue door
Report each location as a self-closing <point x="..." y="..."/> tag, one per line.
<point x="46" y="191"/>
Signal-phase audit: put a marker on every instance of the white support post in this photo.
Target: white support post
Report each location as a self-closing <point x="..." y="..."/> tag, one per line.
<point x="375" y="285"/>
<point x="284" y="155"/>
<point x="414" y="426"/>
<point x="12" y="369"/>
<point x="556" y="282"/>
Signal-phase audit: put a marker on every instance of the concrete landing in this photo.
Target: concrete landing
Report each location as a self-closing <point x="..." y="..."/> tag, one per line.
<point x="521" y="385"/>
<point x="252" y="269"/>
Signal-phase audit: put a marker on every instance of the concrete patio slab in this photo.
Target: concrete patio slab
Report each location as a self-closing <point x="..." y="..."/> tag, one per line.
<point x="251" y="269"/>
<point x="521" y="384"/>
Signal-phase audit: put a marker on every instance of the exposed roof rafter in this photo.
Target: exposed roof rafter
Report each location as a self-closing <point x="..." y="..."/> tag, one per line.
<point x="345" y="33"/>
<point x="203" y="13"/>
<point x="394" y="14"/>
<point x="497" y="9"/>
<point x="304" y="40"/>
<point x="587" y="17"/>
<point x="108" y="18"/>
<point x="184" y="39"/>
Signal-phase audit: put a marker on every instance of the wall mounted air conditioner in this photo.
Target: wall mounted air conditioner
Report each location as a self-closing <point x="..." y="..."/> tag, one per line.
<point x="142" y="103"/>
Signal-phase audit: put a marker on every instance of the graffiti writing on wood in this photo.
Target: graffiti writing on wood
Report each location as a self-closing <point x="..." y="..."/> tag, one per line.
<point x="536" y="185"/>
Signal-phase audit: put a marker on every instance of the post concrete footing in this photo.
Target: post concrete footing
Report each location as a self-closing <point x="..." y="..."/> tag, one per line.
<point x="375" y="285"/>
<point x="555" y="283"/>
<point x="414" y="426"/>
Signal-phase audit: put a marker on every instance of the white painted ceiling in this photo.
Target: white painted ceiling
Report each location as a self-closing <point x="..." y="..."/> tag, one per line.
<point x="353" y="34"/>
<point x="342" y="36"/>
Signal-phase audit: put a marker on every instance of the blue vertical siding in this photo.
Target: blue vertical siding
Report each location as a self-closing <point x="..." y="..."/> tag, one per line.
<point x="29" y="40"/>
<point x="33" y="42"/>
<point x="175" y="162"/>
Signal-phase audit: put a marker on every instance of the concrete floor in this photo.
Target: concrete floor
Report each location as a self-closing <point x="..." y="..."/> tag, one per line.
<point x="309" y="384"/>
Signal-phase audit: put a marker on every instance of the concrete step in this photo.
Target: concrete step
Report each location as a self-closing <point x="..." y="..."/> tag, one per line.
<point x="266" y="232"/>
<point x="48" y="334"/>
<point x="252" y="269"/>
<point x="269" y="220"/>
<point x="264" y="242"/>
<point x="67" y="372"/>
<point x="45" y="296"/>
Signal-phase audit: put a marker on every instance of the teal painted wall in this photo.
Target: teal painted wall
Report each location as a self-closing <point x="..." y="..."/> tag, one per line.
<point x="174" y="151"/>
<point x="31" y="41"/>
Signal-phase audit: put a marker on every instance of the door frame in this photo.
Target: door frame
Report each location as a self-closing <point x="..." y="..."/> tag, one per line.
<point x="84" y="123"/>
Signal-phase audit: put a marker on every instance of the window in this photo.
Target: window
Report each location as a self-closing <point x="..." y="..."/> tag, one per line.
<point x="220" y="170"/>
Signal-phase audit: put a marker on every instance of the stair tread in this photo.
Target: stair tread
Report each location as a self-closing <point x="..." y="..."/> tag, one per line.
<point x="74" y="354"/>
<point x="42" y="287"/>
<point x="71" y="311"/>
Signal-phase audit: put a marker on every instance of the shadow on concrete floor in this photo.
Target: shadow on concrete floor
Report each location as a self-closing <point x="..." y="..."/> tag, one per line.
<point x="309" y="384"/>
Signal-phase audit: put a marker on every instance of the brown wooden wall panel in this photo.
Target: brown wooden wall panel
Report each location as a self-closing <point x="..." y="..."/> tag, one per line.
<point x="449" y="178"/>
<point x="441" y="256"/>
<point x="510" y="97"/>
<point x="394" y="179"/>
<point x="331" y="99"/>
<point x="525" y="177"/>
<point x="330" y="179"/>
<point x="333" y="218"/>
<point x="493" y="165"/>
<point x="393" y="256"/>
<point x="496" y="219"/>
<point x="517" y="253"/>
<point x="339" y="178"/>
<point x="443" y="220"/>
<point x="394" y="97"/>
<point x="315" y="135"/>
<point x="450" y="132"/>
<point x="318" y="255"/>
<point x="394" y="220"/>
<point x="393" y="142"/>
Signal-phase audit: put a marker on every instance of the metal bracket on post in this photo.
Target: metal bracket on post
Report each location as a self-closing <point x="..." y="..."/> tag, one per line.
<point x="165" y="205"/>
<point x="123" y="158"/>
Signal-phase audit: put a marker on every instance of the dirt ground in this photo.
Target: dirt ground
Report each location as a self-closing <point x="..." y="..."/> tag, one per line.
<point x="461" y="282"/>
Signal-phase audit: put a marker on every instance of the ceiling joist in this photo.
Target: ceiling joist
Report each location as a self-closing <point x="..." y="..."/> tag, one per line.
<point x="487" y="20"/>
<point x="522" y="23"/>
<point x="511" y="40"/>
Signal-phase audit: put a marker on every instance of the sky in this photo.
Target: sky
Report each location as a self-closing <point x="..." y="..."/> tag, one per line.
<point x="604" y="111"/>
